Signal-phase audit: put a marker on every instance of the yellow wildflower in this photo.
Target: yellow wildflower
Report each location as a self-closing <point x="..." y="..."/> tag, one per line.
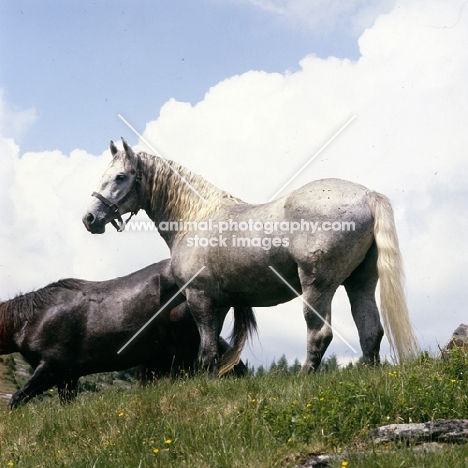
<point x="168" y="441"/>
<point x="155" y="450"/>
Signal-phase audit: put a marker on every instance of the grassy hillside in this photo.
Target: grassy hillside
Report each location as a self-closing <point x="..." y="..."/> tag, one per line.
<point x="7" y="383"/>
<point x="276" y="419"/>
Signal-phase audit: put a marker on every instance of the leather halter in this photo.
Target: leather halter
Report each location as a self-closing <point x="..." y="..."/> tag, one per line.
<point x="114" y="206"/>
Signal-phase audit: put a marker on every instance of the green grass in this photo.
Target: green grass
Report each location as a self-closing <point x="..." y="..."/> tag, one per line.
<point x="276" y="419"/>
<point x="7" y="380"/>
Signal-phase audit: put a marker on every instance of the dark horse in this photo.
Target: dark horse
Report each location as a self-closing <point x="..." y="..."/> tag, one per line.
<point x="75" y="327"/>
<point x="325" y="234"/>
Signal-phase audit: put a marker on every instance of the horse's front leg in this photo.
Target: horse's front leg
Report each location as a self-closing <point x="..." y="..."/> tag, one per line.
<point x="205" y="317"/>
<point x="44" y="377"/>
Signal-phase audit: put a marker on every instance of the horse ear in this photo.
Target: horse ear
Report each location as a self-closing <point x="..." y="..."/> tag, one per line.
<point x="126" y="146"/>
<point x="113" y="148"/>
<point x="128" y="150"/>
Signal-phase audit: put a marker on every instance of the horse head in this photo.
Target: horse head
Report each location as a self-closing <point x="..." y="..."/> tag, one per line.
<point x="118" y="192"/>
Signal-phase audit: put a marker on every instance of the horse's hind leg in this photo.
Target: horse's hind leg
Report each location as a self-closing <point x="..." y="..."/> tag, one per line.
<point x="317" y="313"/>
<point x="360" y="287"/>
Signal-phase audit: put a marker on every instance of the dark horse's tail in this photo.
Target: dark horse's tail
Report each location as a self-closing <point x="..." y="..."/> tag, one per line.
<point x="245" y="325"/>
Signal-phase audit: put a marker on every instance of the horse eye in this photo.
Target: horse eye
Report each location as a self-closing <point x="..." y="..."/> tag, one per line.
<point x="120" y="177"/>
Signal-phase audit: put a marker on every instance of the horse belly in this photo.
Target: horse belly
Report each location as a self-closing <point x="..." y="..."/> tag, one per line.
<point x="240" y="275"/>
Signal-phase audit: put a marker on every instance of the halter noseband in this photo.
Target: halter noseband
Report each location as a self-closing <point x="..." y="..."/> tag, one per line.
<point x="114" y="206"/>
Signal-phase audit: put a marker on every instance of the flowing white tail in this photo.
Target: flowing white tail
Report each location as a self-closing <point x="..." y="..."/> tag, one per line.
<point x="393" y="306"/>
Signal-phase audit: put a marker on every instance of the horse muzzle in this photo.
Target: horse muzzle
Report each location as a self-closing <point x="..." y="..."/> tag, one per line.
<point x="92" y="224"/>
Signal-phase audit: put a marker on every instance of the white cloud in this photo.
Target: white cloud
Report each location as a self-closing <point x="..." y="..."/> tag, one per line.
<point x="252" y="132"/>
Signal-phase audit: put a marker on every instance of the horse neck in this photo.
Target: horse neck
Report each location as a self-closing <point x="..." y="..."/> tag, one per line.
<point x="173" y="193"/>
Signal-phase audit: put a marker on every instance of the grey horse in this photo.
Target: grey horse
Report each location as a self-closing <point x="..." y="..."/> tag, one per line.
<point x="325" y="234"/>
<point x="75" y="327"/>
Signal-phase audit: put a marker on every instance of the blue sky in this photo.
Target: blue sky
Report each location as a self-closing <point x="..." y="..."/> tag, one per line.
<point x="244" y="92"/>
<point x="79" y="64"/>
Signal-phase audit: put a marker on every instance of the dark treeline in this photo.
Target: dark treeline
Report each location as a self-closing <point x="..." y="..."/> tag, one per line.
<point x="282" y="365"/>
